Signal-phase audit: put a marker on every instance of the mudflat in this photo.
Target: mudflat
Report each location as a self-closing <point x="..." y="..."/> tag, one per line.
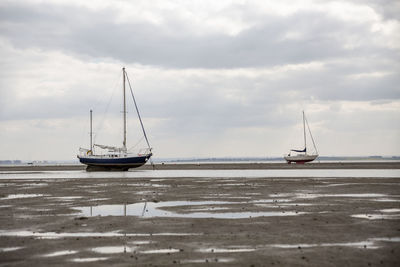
<point x="157" y="221"/>
<point x="222" y="166"/>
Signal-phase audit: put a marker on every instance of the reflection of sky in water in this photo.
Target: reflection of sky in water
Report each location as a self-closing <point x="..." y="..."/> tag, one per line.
<point x="226" y="250"/>
<point x="15" y="196"/>
<point x="156" y="251"/>
<point x="312" y="196"/>
<point x="363" y="244"/>
<point x="377" y="216"/>
<point x="60" y="253"/>
<point x="89" y="259"/>
<point x="112" y="249"/>
<point x="381" y="173"/>
<point x="221" y="260"/>
<point x="53" y="235"/>
<point x="10" y="249"/>
<point x="370" y="243"/>
<point x="151" y="209"/>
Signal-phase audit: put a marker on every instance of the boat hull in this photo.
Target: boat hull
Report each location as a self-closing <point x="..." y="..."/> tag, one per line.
<point x="107" y="164"/>
<point x="300" y="159"/>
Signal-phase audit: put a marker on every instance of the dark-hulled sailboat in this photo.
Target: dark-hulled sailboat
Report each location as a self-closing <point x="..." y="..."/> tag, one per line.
<point x="116" y="158"/>
<point x="302" y="157"/>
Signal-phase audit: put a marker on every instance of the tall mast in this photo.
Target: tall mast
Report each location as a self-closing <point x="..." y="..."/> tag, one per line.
<point x="91" y="133"/>
<point x="304" y="130"/>
<point x="124" y="142"/>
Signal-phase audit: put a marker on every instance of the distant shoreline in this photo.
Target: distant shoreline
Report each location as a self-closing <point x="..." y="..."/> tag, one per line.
<point x="219" y="166"/>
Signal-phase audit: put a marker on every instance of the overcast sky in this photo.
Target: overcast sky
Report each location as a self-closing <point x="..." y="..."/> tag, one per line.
<point x="212" y="78"/>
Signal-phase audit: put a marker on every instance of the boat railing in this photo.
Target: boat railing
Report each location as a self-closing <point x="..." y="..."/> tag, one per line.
<point x="144" y="152"/>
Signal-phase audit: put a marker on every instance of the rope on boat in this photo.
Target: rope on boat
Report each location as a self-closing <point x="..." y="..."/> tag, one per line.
<point x="137" y="111"/>
<point x="312" y="139"/>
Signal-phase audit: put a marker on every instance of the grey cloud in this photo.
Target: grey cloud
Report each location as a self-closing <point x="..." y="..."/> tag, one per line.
<point x="95" y="33"/>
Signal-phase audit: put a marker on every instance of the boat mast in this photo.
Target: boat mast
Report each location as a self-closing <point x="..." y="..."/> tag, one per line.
<point x="91" y="132"/>
<point x="304" y="132"/>
<point x="124" y="142"/>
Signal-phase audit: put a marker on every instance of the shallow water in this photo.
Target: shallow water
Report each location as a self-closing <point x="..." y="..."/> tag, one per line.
<point x="363" y="244"/>
<point x="226" y="250"/>
<point x="159" y="251"/>
<point x="381" y="173"/>
<point x="89" y="259"/>
<point x="370" y="243"/>
<point x="112" y="249"/>
<point x="15" y="196"/>
<point x="151" y="209"/>
<point x="10" y="249"/>
<point x="377" y="216"/>
<point x="60" y="253"/>
<point x="53" y="235"/>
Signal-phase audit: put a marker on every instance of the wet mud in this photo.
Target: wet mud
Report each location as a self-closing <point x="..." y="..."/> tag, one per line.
<point x="295" y="221"/>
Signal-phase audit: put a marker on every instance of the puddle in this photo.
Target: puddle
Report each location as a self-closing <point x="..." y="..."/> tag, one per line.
<point x="377" y="216"/>
<point x="390" y="210"/>
<point x="54" y="235"/>
<point x="60" y="253"/>
<point x="312" y="195"/>
<point x="364" y="244"/>
<point x="215" y="260"/>
<point x="99" y="199"/>
<point x="112" y="249"/>
<point x="368" y="244"/>
<point x="238" y="197"/>
<point x="386" y="239"/>
<point x="10" y="249"/>
<point x="226" y="250"/>
<point x="148" y="185"/>
<point x="151" y="209"/>
<point x="387" y="200"/>
<point x="271" y="200"/>
<point x="160" y="251"/>
<point x="66" y="198"/>
<point x="16" y="196"/>
<point x="89" y="259"/>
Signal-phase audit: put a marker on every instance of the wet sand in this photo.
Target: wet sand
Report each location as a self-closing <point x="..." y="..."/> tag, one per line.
<point x="297" y="221"/>
<point x="222" y="166"/>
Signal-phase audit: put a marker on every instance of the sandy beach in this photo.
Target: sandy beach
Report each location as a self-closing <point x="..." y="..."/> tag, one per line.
<point x="241" y="221"/>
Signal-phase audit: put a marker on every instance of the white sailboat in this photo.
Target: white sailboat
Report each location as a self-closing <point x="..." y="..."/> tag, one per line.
<point x="116" y="158"/>
<point x="302" y="157"/>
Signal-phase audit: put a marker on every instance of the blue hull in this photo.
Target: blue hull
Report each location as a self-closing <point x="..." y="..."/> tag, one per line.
<point x="123" y="163"/>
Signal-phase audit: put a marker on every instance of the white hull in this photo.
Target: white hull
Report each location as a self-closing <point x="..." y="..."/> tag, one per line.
<point x="300" y="159"/>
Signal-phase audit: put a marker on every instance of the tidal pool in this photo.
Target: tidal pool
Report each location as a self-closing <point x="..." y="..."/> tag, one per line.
<point x="16" y="196"/>
<point x="112" y="249"/>
<point x="60" y="253"/>
<point x="151" y="209"/>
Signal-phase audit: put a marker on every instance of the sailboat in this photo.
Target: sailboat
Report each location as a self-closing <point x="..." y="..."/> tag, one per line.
<point x="302" y="157"/>
<point x="115" y="158"/>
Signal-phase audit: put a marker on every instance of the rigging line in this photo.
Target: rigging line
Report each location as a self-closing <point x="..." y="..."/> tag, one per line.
<point x="136" y="144"/>
<point x="99" y="126"/>
<point x="137" y="111"/>
<point x="312" y="139"/>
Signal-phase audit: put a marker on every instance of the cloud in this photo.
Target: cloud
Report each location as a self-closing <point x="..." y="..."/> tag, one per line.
<point x="211" y="79"/>
<point x="300" y="37"/>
